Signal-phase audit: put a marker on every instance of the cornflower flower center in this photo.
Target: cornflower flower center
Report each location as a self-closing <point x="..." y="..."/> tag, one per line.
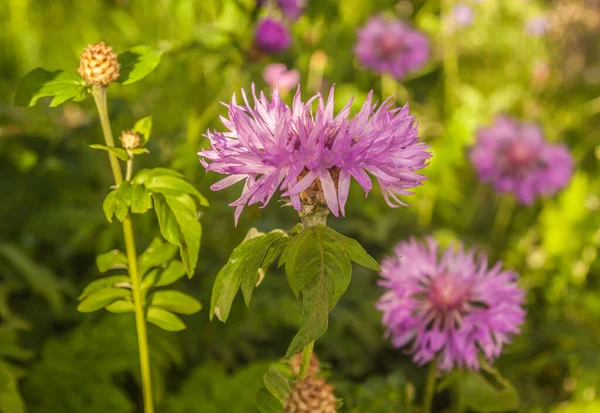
<point x="390" y="45"/>
<point x="519" y="158"/>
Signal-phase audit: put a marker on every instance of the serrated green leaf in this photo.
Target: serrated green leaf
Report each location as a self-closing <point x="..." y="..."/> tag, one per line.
<point x="157" y="254"/>
<point x="140" y="200"/>
<point x="354" y="250"/>
<point x="101" y="298"/>
<point x="483" y="396"/>
<point x="275" y="251"/>
<point x="121" y="306"/>
<point x="137" y="63"/>
<point x="321" y="271"/>
<point x="111" y="260"/>
<point x="167" y="184"/>
<point x="164" y="319"/>
<point x="241" y="269"/>
<point x="40" y="83"/>
<point x="178" y="221"/>
<point x="143" y="127"/>
<point x="105" y="282"/>
<point x="277" y="384"/>
<point x="266" y="402"/>
<point x="174" y="301"/>
<point x="158" y="278"/>
<point x="118" y="152"/>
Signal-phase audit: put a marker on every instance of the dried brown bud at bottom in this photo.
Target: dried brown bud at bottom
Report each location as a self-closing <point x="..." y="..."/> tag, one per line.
<point x="129" y="139"/>
<point x="311" y="396"/>
<point x="98" y="65"/>
<point x="313" y="368"/>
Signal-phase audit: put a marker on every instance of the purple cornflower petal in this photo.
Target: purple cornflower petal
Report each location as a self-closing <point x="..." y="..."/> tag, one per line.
<point x="277" y="74"/>
<point x="515" y="158"/>
<point x="448" y="304"/>
<point x="311" y="156"/>
<point x="272" y="36"/>
<point x="537" y="26"/>
<point x="292" y="9"/>
<point x="391" y="46"/>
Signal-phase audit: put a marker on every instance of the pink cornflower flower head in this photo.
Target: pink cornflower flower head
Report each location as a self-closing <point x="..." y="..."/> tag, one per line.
<point x="391" y="46"/>
<point x="515" y="158"/>
<point x="272" y="36"/>
<point x="463" y="15"/>
<point x="448" y="304"/>
<point x="277" y="74"/>
<point x="292" y="9"/>
<point x="537" y="26"/>
<point x="311" y="157"/>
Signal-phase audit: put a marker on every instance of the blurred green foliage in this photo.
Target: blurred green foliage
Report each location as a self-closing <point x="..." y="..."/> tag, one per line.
<point x="53" y="359"/>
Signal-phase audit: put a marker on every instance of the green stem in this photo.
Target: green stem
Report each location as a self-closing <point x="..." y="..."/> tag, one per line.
<point x="430" y="386"/>
<point x="458" y="405"/>
<point x="305" y="363"/>
<point x="99" y="94"/>
<point x="450" y="58"/>
<point x="129" y="172"/>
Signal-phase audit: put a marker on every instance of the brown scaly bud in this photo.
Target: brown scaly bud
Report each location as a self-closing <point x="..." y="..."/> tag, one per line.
<point x="98" y="65"/>
<point x="129" y="139"/>
<point x="311" y="396"/>
<point x="313" y="368"/>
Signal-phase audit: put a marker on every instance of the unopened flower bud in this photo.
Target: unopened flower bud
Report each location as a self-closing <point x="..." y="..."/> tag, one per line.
<point x="313" y="368"/>
<point x="130" y="139"/>
<point x="98" y="65"/>
<point x="311" y="396"/>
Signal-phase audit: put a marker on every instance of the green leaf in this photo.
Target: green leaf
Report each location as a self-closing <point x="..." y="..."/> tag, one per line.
<point x="139" y="151"/>
<point x="140" y="200"/>
<point x="166" y="184"/>
<point x="266" y="402"/>
<point x="109" y="205"/>
<point x="157" y="254"/>
<point x="158" y="278"/>
<point x="111" y="260"/>
<point x="137" y="63"/>
<point x="59" y="84"/>
<point x="321" y="271"/>
<point x="143" y="127"/>
<point x="277" y="384"/>
<point x="10" y="399"/>
<point x="354" y="250"/>
<point x="101" y="298"/>
<point x="105" y="282"/>
<point x="145" y="174"/>
<point x="118" y="152"/>
<point x="275" y="251"/>
<point x="175" y="301"/>
<point x="164" y="319"/>
<point x="489" y="394"/>
<point x="241" y="269"/>
<point x="117" y="202"/>
<point x="178" y="221"/>
<point x="121" y="306"/>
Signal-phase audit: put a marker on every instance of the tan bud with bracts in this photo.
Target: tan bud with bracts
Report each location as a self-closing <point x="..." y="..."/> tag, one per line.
<point x="129" y="139"/>
<point x="98" y="65"/>
<point x="313" y="368"/>
<point x="311" y="395"/>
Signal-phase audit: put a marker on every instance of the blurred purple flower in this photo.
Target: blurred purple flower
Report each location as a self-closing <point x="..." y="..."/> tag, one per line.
<point x="277" y="74"/>
<point x="537" y="26"/>
<point x="463" y="14"/>
<point x="391" y="46"/>
<point x="515" y="158"/>
<point x="292" y="9"/>
<point x="311" y="157"/>
<point x="272" y="36"/>
<point x="448" y="304"/>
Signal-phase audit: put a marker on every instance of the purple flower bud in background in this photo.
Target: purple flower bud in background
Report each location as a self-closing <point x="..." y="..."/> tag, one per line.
<point x="448" y="304"/>
<point x="391" y="46"/>
<point x="537" y="26"/>
<point x="292" y="9"/>
<point x="272" y="36"/>
<point x="277" y="74"/>
<point x="463" y="15"/>
<point x="515" y="158"/>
